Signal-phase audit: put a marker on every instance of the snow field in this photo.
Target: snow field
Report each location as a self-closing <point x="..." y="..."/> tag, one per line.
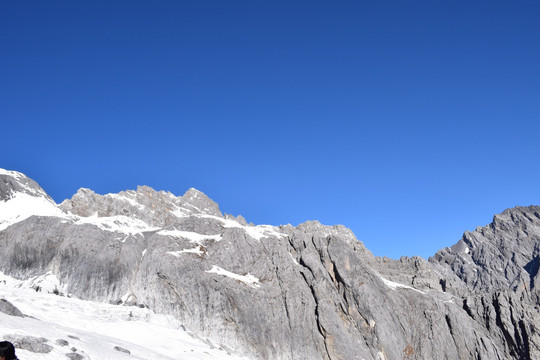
<point x="95" y="329"/>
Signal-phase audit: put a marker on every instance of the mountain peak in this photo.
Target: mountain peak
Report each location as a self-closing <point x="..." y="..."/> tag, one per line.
<point x="21" y="198"/>
<point x="12" y="182"/>
<point x="197" y="200"/>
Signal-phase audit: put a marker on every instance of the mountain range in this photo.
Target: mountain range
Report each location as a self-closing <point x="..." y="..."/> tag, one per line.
<point x="274" y="292"/>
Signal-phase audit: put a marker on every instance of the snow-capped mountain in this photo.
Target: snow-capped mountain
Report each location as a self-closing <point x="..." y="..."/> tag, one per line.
<point x="265" y="292"/>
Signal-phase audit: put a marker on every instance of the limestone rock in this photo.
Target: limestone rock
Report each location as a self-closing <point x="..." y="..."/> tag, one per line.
<point x="305" y="292"/>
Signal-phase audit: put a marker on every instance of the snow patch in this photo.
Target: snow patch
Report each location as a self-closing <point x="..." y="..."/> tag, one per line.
<point x="394" y="285"/>
<point x="190" y="235"/>
<point x="117" y="223"/>
<point x="193" y="206"/>
<point x="196" y="250"/>
<point x="180" y="212"/>
<point x="22" y="206"/>
<point x="247" y="279"/>
<point x="257" y="232"/>
<point x="128" y="297"/>
<point x="293" y="259"/>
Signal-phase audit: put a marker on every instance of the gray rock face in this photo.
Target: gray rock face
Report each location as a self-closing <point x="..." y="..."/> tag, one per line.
<point x="155" y="208"/>
<point x="8" y="308"/>
<point x="305" y="292"/>
<point x="498" y="268"/>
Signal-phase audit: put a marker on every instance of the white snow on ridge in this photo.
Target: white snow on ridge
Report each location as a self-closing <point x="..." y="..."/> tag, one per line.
<point x="22" y="206"/>
<point x="190" y="235"/>
<point x="293" y="259"/>
<point x="19" y="176"/>
<point x="117" y="223"/>
<point x="127" y="197"/>
<point x="196" y="250"/>
<point x="264" y="231"/>
<point x="257" y="232"/>
<point x="180" y="212"/>
<point x="246" y="279"/>
<point x="94" y="329"/>
<point x="14" y="174"/>
<point x="394" y="285"/>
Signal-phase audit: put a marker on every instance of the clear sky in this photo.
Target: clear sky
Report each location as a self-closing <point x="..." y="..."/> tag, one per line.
<point x="407" y="121"/>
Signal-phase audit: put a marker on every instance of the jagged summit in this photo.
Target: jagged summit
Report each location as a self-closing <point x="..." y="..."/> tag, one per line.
<point x="13" y="182"/>
<point x="197" y="200"/>
<point x="141" y="203"/>
<point x="499" y="254"/>
<point x="291" y="293"/>
<point x="21" y="198"/>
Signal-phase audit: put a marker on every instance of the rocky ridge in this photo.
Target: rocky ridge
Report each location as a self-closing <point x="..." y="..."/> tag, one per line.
<point x="310" y="291"/>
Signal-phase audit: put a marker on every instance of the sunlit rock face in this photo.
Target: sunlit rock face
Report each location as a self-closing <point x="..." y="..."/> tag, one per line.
<point x="305" y="292"/>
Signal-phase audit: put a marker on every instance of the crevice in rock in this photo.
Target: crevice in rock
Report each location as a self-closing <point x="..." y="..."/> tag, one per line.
<point x="450" y="328"/>
<point x="320" y="328"/>
<point x="532" y="268"/>
<point x="442" y="283"/>
<point x="170" y="286"/>
<point x="467" y="309"/>
<point x="526" y="343"/>
<point x="512" y="347"/>
<point x="282" y="292"/>
<point x="341" y="287"/>
<point x="527" y="216"/>
<point x="520" y="337"/>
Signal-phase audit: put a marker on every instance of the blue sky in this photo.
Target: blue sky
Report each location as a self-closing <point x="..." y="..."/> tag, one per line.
<point x="407" y="121"/>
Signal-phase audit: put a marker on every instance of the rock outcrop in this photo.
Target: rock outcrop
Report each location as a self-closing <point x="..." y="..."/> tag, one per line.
<point x="8" y="308"/>
<point x="305" y="292"/>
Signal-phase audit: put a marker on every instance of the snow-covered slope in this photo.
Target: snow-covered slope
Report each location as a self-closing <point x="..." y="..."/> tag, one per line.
<point x="93" y="330"/>
<point x="21" y="198"/>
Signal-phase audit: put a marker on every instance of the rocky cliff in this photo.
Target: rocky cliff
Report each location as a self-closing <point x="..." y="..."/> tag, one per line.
<point x="305" y="292"/>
